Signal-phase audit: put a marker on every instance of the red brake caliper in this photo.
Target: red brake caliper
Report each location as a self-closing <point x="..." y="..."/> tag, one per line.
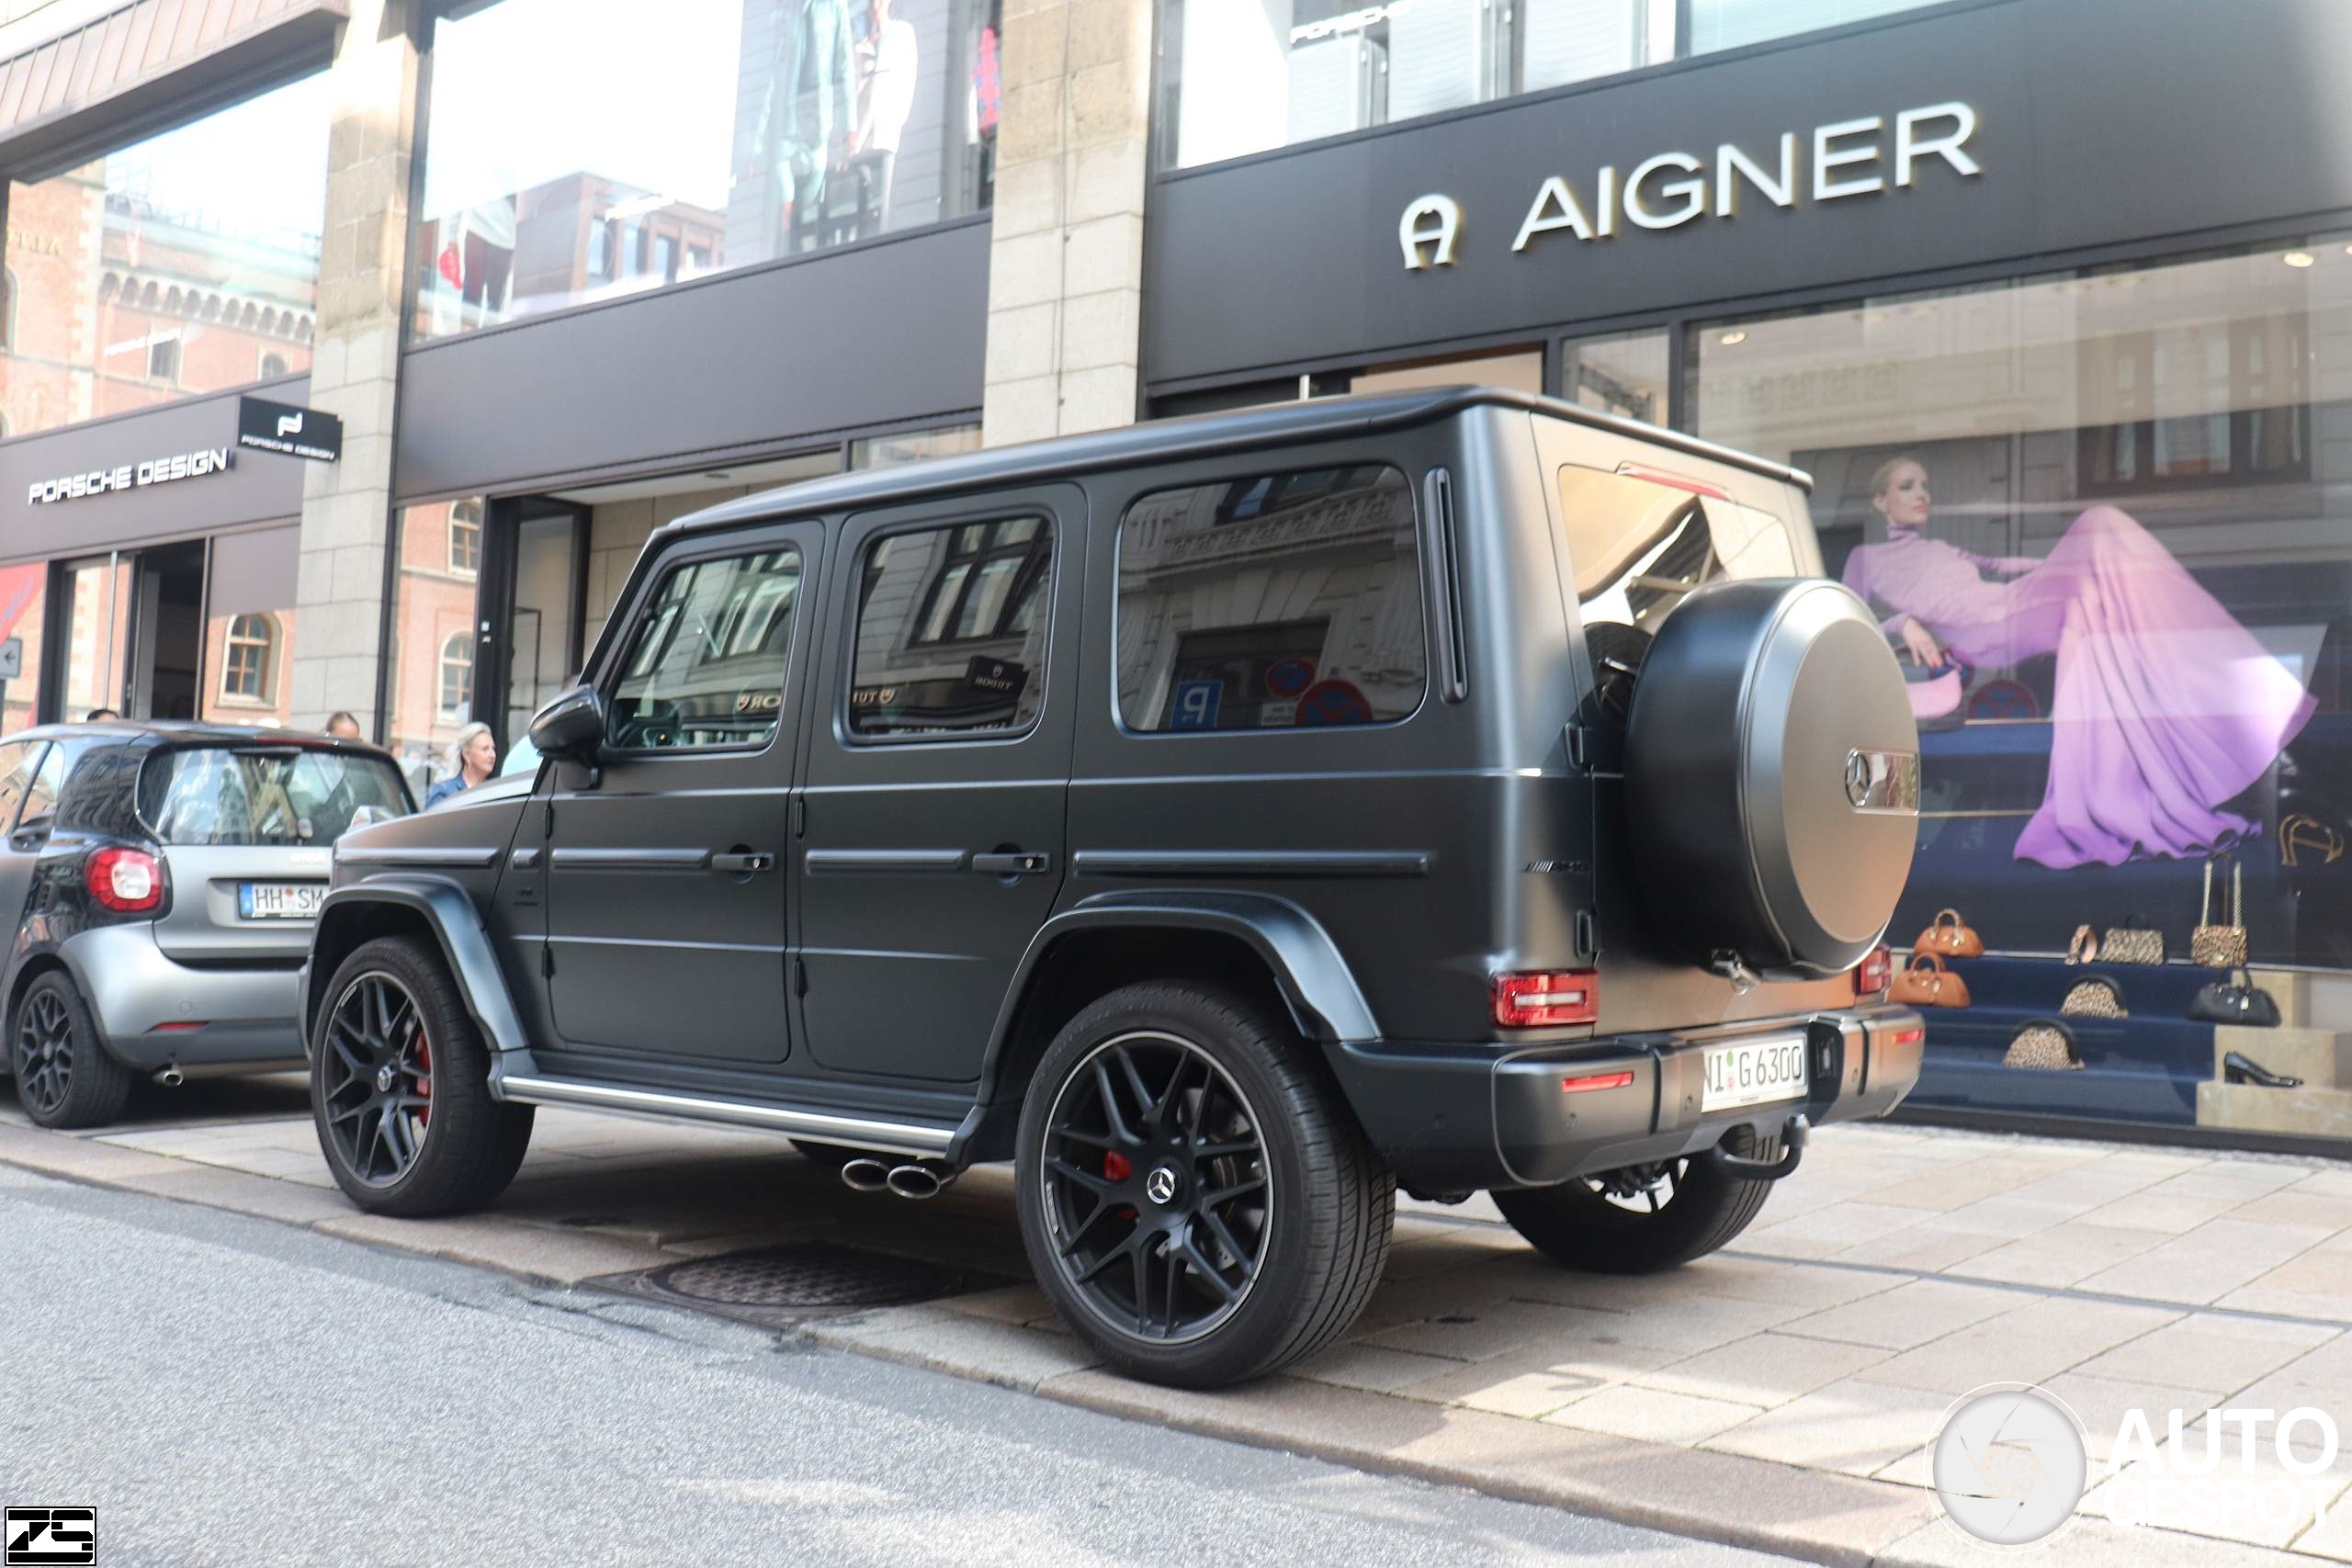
<point x="1118" y="1168"/>
<point x="424" y="1078"/>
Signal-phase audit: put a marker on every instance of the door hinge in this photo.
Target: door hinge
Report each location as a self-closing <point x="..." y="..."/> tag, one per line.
<point x="799" y="978"/>
<point x="547" y="961"/>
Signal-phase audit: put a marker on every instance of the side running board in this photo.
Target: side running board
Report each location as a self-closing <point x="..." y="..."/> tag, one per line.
<point x="826" y="1126"/>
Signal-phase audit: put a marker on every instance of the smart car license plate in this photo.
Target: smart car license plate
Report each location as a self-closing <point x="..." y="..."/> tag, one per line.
<point x="281" y="900"/>
<point x="1754" y="1072"/>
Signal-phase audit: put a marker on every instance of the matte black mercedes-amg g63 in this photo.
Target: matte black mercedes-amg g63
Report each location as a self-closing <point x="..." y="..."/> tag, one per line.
<point x="1227" y="821"/>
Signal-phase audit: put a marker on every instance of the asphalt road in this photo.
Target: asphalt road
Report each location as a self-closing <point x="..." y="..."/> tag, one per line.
<point x="226" y="1390"/>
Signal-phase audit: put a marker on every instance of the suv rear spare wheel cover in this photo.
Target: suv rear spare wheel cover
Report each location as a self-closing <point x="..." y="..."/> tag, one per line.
<point x="1773" y="777"/>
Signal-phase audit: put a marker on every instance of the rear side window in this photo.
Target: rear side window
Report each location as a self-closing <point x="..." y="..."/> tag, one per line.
<point x="40" y="797"/>
<point x="705" y="667"/>
<point x="1284" y="600"/>
<point x="17" y="759"/>
<point x="1638" y="547"/>
<point x="216" y="795"/>
<point x="951" y="631"/>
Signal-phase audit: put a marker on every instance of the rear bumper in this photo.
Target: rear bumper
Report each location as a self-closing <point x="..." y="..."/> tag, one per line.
<point x="1465" y="1118"/>
<point x="243" y="1016"/>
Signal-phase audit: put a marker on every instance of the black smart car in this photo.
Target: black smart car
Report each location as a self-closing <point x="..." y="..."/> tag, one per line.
<point x="1228" y="820"/>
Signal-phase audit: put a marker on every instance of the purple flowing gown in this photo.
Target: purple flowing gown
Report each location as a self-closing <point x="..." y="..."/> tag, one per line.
<point x="2166" y="706"/>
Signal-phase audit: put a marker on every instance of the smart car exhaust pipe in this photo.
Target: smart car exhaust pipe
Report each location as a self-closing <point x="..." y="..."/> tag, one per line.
<point x="917" y="1181"/>
<point x="171" y="1076"/>
<point x="864" y="1175"/>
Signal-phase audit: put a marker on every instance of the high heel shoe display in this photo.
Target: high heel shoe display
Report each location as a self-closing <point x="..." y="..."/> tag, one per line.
<point x="2239" y="1068"/>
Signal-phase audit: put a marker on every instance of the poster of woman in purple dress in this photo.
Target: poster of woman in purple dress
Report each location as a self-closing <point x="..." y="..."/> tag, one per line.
<point x="2166" y="708"/>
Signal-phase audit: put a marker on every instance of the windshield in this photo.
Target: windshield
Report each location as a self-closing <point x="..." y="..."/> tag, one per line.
<point x="264" y="796"/>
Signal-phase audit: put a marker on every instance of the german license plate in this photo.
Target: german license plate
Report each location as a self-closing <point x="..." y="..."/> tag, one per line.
<point x="281" y="900"/>
<point x="1754" y="1072"/>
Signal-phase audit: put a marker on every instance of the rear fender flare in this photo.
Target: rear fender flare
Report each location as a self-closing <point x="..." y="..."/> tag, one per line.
<point x="449" y="914"/>
<point x="1315" y="982"/>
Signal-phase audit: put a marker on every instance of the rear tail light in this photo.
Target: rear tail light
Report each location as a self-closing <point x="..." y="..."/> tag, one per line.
<point x="1547" y="998"/>
<point x="1874" y="973"/>
<point x="128" y="882"/>
<point x="1911" y="1036"/>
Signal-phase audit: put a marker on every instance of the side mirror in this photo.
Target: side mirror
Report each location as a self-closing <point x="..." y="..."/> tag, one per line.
<point x="571" y="727"/>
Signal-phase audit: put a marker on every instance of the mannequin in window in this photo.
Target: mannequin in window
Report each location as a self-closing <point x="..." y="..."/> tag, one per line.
<point x="2165" y="708"/>
<point x="809" y="111"/>
<point x="888" y="60"/>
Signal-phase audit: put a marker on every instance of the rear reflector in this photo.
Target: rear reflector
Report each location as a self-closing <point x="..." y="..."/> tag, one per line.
<point x="1911" y="1036"/>
<point x="1548" y="998"/>
<point x="1597" y="1081"/>
<point x="174" y="1028"/>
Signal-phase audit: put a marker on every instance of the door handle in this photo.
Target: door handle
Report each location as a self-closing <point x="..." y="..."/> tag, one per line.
<point x="1014" y="863"/>
<point x="742" y="864"/>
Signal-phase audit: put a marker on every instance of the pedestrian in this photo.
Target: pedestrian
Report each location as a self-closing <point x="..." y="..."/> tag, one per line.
<point x="99" y="716"/>
<point x="343" y="727"/>
<point x="476" y="755"/>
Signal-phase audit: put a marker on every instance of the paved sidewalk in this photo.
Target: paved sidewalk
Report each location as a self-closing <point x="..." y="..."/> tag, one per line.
<point x="1780" y="1394"/>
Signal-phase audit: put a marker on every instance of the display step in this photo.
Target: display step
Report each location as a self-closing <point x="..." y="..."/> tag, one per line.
<point x="2248" y="1108"/>
<point x="2321" y="1057"/>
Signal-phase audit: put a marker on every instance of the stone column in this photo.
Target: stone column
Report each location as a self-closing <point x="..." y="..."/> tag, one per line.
<point x="1066" y="260"/>
<point x="354" y="370"/>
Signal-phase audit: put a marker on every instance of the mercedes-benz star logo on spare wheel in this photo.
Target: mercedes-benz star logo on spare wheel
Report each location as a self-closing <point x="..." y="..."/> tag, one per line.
<point x="2010" y="1463"/>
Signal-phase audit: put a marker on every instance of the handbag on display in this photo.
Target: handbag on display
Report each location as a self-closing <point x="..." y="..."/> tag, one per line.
<point x="2132" y="943"/>
<point x="2043" y="1044"/>
<point x="1926" y="983"/>
<point x="2221" y="947"/>
<point x="2302" y="834"/>
<point x="2237" y="1001"/>
<point x="1950" y="937"/>
<point x="2084" y="949"/>
<point x="2093" y="996"/>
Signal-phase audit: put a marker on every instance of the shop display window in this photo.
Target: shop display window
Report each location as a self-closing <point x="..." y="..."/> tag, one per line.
<point x="167" y="268"/>
<point x="1242" y="77"/>
<point x="1275" y="602"/>
<point x="429" y="679"/>
<point x="573" y="162"/>
<point x="2102" y="516"/>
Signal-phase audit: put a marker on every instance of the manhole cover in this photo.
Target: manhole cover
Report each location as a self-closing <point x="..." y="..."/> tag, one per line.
<point x="777" y="1285"/>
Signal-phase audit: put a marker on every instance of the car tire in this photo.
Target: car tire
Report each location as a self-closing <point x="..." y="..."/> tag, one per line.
<point x="399" y="1088"/>
<point x="64" y="1078"/>
<point x="1257" y="1153"/>
<point x="1580" y="1225"/>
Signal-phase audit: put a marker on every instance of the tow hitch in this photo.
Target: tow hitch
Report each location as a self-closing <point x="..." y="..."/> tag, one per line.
<point x="1793" y="1138"/>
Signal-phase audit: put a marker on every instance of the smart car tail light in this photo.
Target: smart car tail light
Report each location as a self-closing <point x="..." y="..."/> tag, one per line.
<point x="1874" y="973"/>
<point x="1547" y="998"/>
<point x="127" y="882"/>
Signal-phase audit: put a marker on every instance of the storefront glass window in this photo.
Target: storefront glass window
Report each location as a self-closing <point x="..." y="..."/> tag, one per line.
<point x="431" y="657"/>
<point x="23" y="590"/>
<point x="2103" y="520"/>
<point x="167" y="268"/>
<point x="1242" y="77"/>
<point x="1625" y="376"/>
<point x="752" y="129"/>
<point x="889" y="451"/>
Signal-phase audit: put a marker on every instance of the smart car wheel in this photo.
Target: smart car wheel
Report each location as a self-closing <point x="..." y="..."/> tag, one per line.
<point x="64" y="1078"/>
<point x="1644" y="1218"/>
<point x="1192" y="1193"/>
<point x="399" y="1088"/>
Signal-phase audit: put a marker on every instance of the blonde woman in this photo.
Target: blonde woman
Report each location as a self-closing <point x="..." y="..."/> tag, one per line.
<point x="476" y="755"/>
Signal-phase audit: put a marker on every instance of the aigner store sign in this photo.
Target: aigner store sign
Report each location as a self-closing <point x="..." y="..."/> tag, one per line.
<point x="1847" y="158"/>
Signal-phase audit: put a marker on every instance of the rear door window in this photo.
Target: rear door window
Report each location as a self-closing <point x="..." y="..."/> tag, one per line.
<point x="260" y="795"/>
<point x="1639" y="547"/>
<point x="1285" y="600"/>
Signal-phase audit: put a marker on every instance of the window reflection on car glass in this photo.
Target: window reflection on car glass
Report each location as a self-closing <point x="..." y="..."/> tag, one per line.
<point x="1638" y="547"/>
<point x="705" y="666"/>
<point x="40" y="798"/>
<point x="951" y="639"/>
<point x="215" y="795"/>
<point x="16" y="776"/>
<point x="1271" y="601"/>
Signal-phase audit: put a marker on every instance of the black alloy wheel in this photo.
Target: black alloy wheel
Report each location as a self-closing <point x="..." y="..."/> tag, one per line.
<point x="399" y="1088"/>
<point x="64" y="1078"/>
<point x="1157" y="1187"/>
<point x="378" y="1082"/>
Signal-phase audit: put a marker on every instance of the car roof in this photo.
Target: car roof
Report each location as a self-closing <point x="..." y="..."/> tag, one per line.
<point x="1196" y="435"/>
<point x="179" y="732"/>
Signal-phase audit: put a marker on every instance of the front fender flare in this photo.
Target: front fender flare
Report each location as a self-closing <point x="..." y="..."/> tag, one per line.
<point x="1314" y="980"/>
<point x="449" y="913"/>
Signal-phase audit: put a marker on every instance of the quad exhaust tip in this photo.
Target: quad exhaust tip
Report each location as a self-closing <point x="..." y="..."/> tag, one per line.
<point x="917" y="1182"/>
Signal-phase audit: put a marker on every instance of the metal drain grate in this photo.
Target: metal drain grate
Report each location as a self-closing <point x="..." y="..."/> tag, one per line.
<point x="779" y="1285"/>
